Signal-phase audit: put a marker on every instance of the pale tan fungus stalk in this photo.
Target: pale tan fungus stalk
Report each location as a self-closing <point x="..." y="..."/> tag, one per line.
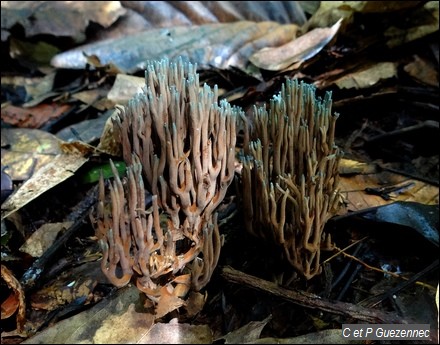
<point x="290" y="174"/>
<point x="180" y="140"/>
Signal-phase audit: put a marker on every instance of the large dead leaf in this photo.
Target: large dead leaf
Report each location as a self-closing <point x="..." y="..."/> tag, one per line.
<point x="24" y="151"/>
<point x="60" y="167"/>
<point x="61" y="18"/>
<point x="71" y="19"/>
<point x="219" y="45"/>
<point x="146" y="15"/>
<point x="121" y="319"/>
<point x="422" y="218"/>
<point x="363" y="191"/>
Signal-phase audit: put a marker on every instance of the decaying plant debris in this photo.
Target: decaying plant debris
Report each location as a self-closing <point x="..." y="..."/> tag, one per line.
<point x="177" y="232"/>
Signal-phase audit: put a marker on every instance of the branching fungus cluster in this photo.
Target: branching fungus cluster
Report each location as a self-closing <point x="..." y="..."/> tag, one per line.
<point x="290" y="174"/>
<point x="179" y="145"/>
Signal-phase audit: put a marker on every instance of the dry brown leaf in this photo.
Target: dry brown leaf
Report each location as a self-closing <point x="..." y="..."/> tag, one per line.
<point x="74" y="284"/>
<point x="9" y="306"/>
<point x="120" y="319"/>
<point x="296" y="51"/>
<point x="33" y="117"/>
<point x="107" y="142"/>
<point x="42" y="238"/>
<point x="12" y="282"/>
<point x="195" y="303"/>
<point x="24" y="151"/>
<point x="246" y="334"/>
<point x="367" y="77"/>
<point x="125" y="87"/>
<point x="353" y="188"/>
<point x="71" y="17"/>
<point x="425" y="21"/>
<point x="421" y="70"/>
<point x="61" y="167"/>
<point x="167" y="302"/>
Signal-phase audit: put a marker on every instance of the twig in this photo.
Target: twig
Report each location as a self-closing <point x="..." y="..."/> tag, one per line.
<point x="312" y="301"/>
<point x="381" y="270"/>
<point x="375" y="300"/>
<point x="341" y="251"/>
<point x="405" y="130"/>
<point x="346" y="268"/>
<point x="31" y="276"/>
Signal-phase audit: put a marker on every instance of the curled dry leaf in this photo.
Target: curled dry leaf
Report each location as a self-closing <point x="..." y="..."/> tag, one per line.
<point x="296" y="51"/>
<point x="8" y="309"/>
<point x="10" y="306"/>
<point x="107" y="143"/>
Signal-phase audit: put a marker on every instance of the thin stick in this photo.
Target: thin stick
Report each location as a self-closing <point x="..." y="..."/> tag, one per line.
<point x="312" y="301"/>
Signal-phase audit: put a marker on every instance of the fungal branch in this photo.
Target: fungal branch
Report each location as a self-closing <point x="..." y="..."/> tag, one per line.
<point x="179" y="141"/>
<point x="290" y="174"/>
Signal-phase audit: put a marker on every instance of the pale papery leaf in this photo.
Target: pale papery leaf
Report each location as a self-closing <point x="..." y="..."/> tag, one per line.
<point x="219" y="45"/>
<point x="177" y="333"/>
<point x="121" y="319"/>
<point x="296" y="51"/>
<point x="61" y="167"/>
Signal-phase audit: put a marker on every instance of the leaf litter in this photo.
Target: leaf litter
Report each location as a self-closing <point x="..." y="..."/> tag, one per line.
<point x="356" y="183"/>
